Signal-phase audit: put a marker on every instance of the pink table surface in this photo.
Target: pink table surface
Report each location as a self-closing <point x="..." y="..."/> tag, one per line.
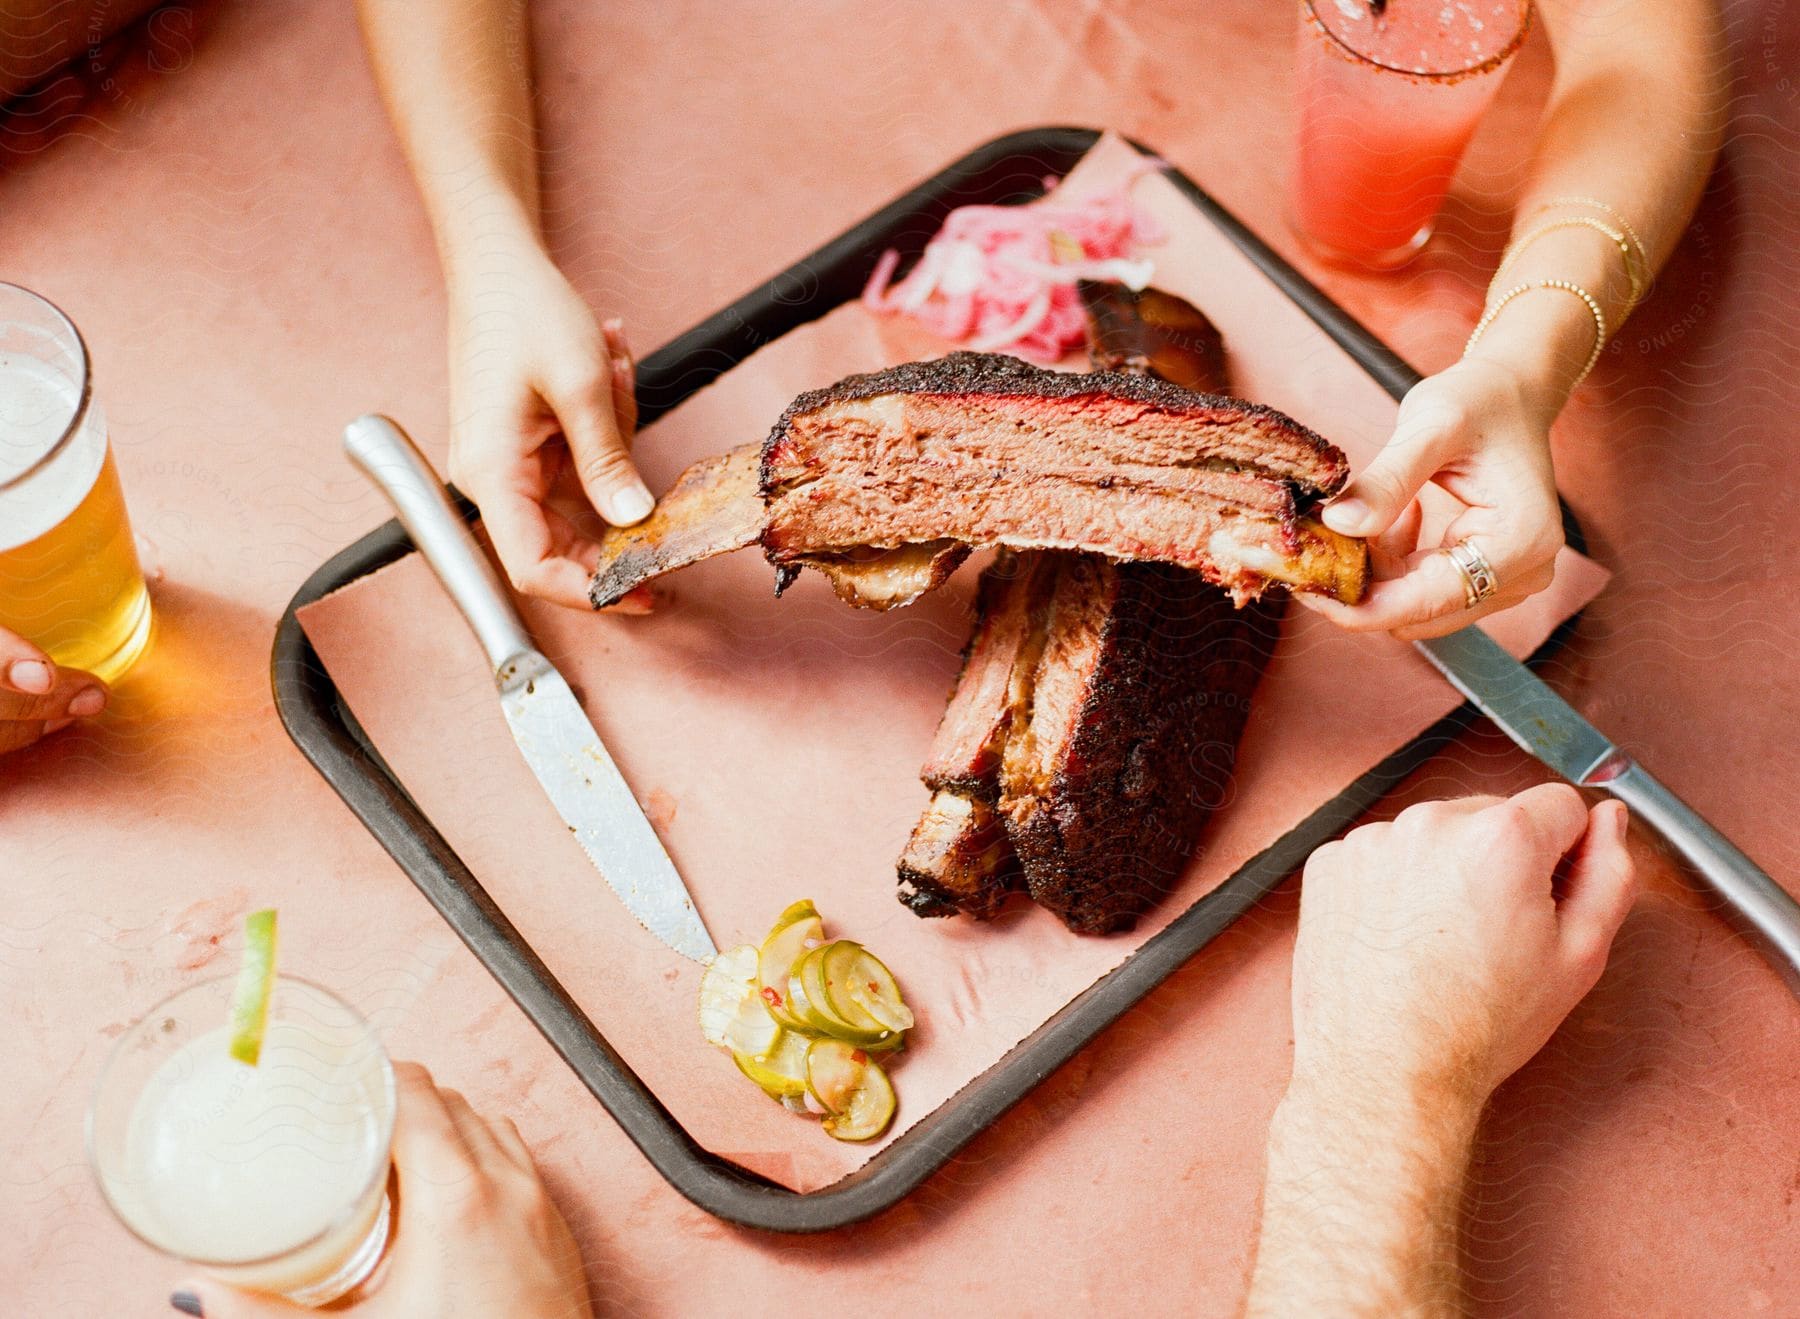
<point x="235" y="233"/>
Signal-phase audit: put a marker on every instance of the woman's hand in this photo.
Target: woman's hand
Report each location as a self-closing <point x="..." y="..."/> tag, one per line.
<point x="476" y="1233"/>
<point x="36" y="697"/>
<point x="538" y="392"/>
<point x="1476" y="431"/>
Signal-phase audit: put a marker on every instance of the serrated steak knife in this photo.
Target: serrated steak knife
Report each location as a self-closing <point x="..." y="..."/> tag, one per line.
<point x="548" y="724"/>
<point x="1544" y="724"/>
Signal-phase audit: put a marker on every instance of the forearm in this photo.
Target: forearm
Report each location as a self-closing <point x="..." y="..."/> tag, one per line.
<point x="455" y="75"/>
<point x="1361" y="1204"/>
<point x="1634" y="120"/>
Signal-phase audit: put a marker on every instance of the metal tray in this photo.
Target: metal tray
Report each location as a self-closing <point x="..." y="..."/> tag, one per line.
<point x="1007" y="170"/>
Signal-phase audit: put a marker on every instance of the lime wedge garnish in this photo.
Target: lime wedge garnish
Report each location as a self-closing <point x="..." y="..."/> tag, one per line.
<point x="256" y="983"/>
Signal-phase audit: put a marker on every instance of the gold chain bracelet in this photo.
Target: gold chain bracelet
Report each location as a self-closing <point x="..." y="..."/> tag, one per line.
<point x="1638" y="280"/>
<point x="1618" y="238"/>
<point x="1593" y="305"/>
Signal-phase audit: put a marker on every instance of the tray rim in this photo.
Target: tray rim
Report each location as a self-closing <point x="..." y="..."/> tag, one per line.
<point x="326" y="732"/>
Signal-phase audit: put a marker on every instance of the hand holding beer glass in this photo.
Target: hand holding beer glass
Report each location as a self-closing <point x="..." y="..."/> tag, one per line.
<point x="74" y="610"/>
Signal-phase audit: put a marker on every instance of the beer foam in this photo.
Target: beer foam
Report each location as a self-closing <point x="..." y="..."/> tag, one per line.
<point x="36" y="404"/>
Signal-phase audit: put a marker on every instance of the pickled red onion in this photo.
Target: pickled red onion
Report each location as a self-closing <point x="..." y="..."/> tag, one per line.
<point x="992" y="277"/>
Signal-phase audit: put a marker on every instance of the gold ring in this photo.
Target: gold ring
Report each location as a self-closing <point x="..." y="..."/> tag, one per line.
<point x="1479" y="579"/>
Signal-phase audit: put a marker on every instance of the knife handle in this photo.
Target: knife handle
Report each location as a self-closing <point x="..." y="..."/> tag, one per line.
<point x="1762" y="907"/>
<point x="389" y="458"/>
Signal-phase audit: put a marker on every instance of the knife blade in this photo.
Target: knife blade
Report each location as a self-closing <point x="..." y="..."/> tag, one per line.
<point x="550" y="728"/>
<point x="1523" y="707"/>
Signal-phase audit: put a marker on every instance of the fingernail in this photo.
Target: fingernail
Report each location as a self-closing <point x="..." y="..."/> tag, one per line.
<point x="89" y="700"/>
<point x="33" y="676"/>
<point x="628" y="506"/>
<point x="56" y="726"/>
<point x="613" y="325"/>
<point x="1621" y="821"/>
<point x="1346" y="516"/>
<point x="186" y="1302"/>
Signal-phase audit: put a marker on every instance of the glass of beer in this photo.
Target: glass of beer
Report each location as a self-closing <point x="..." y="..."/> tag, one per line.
<point x="1388" y="96"/>
<point x="69" y="575"/>
<point x="272" y="1177"/>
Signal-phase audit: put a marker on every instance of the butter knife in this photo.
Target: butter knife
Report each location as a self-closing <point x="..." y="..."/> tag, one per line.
<point x="1540" y="721"/>
<point x="552" y="731"/>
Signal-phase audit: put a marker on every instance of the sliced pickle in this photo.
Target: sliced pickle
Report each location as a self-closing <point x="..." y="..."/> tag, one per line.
<point x="801" y="1004"/>
<point x="781" y="1070"/>
<point x="752" y="1031"/>
<point x="728" y="979"/>
<point x="833" y="1072"/>
<point x="858" y="986"/>
<point x="798" y="927"/>
<point x="870" y="1108"/>
<point x="811" y="986"/>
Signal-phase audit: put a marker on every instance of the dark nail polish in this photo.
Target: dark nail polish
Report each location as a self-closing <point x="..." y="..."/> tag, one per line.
<point x="187" y="1303"/>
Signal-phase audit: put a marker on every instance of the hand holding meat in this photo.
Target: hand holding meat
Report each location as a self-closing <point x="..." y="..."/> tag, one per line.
<point x="1475" y="431"/>
<point x="37" y="697"/>
<point x="1436" y="953"/>
<point x="542" y="400"/>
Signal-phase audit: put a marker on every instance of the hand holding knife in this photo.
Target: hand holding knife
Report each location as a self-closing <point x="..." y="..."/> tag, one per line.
<point x="1544" y="724"/>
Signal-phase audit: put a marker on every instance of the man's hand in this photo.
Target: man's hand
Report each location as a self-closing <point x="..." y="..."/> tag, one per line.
<point x="36" y="697"/>
<point x="1436" y="953"/>
<point x="1477" y="431"/>
<point x="476" y="1231"/>
<point x="538" y="391"/>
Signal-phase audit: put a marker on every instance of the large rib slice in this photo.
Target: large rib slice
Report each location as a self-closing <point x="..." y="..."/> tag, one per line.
<point x="958" y="858"/>
<point x="1108" y="686"/>
<point x="1139" y="696"/>
<point x="714" y="506"/>
<point x="989" y="450"/>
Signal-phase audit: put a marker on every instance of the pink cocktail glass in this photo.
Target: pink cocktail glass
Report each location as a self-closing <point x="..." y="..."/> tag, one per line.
<point x="1388" y="96"/>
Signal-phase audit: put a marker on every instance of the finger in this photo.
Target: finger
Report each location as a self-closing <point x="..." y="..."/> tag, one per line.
<point x="1376" y="497"/>
<point x="637" y="602"/>
<point x="1389" y="551"/>
<point x="1532" y="583"/>
<point x="73" y="694"/>
<point x="475" y="1133"/>
<point x="16" y="734"/>
<point x="24" y="668"/>
<point x="602" y="462"/>
<point x="215" y="1300"/>
<point x="1601" y="886"/>
<point x="427" y="1145"/>
<point x="519" y="529"/>
<point x="506" y="1135"/>
<point x="1431" y="590"/>
<point x="1448" y="807"/>
<point x="624" y="379"/>
<point x="1554" y="816"/>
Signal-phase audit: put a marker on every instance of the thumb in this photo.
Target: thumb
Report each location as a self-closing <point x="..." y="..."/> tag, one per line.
<point x="1600" y="888"/>
<point x="591" y="425"/>
<point x="1382" y="491"/>
<point x="214" y="1300"/>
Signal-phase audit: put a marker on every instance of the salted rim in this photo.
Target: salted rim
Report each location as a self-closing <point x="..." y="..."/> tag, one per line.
<point x="81" y="407"/>
<point x="382" y="1169"/>
<point x="1499" y="57"/>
